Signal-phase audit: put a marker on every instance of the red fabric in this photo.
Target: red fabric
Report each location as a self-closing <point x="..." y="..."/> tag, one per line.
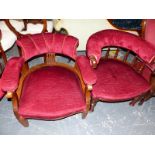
<point x="150" y="31"/>
<point x="146" y="73"/>
<point x="1" y="92"/>
<point x="33" y="45"/>
<point x="117" y="81"/>
<point x="122" y="39"/>
<point x="87" y="72"/>
<point x="51" y="93"/>
<point x="11" y="74"/>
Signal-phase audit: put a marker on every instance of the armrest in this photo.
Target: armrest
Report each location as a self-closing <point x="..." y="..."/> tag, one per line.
<point x="87" y="72"/>
<point x="11" y="74"/>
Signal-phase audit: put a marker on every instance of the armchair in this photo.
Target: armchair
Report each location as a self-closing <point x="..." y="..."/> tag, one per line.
<point x="51" y="90"/>
<point x="130" y="77"/>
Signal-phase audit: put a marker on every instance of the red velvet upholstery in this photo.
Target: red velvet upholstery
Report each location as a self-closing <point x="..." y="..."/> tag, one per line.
<point x="86" y="70"/>
<point x="11" y="74"/>
<point x="53" y="96"/>
<point x="1" y="92"/>
<point x="150" y="31"/>
<point x="120" y="39"/>
<point x="37" y="44"/>
<point x="117" y="81"/>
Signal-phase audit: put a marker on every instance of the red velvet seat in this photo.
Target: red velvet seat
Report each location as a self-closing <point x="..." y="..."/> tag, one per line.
<point x="117" y="82"/>
<point x="51" y="96"/>
<point x="51" y="90"/>
<point x="128" y="77"/>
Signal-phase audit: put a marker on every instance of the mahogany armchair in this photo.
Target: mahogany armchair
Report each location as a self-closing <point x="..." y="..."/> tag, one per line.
<point x="51" y="90"/>
<point x="120" y="78"/>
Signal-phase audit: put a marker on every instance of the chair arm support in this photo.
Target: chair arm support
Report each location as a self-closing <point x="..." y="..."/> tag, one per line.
<point x="87" y="72"/>
<point x="11" y="74"/>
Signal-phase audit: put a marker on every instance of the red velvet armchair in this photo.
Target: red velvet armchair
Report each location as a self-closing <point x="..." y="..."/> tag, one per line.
<point x="51" y="90"/>
<point x="121" y="78"/>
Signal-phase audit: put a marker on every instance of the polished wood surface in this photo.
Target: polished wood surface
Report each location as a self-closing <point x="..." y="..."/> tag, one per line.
<point x="26" y="21"/>
<point x="138" y="68"/>
<point x="49" y="60"/>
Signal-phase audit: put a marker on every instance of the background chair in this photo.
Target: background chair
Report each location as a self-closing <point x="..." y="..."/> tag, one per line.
<point x="128" y="24"/>
<point x="128" y="76"/>
<point x="51" y="90"/>
<point x="31" y="26"/>
<point x="8" y="38"/>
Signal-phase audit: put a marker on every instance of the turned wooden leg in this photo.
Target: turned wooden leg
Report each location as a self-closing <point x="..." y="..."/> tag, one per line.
<point x="141" y="101"/>
<point x="84" y="114"/>
<point x="135" y="100"/>
<point x="93" y="104"/>
<point x="23" y="121"/>
<point x="147" y="96"/>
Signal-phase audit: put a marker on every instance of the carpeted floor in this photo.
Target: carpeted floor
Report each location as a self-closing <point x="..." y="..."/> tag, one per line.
<point x="117" y="118"/>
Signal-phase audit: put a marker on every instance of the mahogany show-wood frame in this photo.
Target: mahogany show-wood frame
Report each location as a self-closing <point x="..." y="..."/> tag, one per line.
<point x="26" y="21"/>
<point x="138" y="65"/>
<point x="49" y="60"/>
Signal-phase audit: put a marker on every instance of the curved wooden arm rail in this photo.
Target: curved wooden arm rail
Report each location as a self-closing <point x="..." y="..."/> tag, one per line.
<point x="131" y="55"/>
<point x="50" y="62"/>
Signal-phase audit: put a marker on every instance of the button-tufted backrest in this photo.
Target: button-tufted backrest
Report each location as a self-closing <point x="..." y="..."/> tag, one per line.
<point x="33" y="45"/>
<point x="122" y="39"/>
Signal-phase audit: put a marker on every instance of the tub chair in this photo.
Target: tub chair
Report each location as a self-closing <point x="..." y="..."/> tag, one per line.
<point x="129" y="76"/>
<point x="51" y="90"/>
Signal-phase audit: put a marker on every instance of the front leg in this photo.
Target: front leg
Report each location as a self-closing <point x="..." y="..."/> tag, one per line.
<point x="93" y="104"/>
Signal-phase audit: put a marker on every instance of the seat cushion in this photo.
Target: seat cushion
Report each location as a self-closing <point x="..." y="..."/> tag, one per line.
<point x="51" y="93"/>
<point x="117" y="81"/>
